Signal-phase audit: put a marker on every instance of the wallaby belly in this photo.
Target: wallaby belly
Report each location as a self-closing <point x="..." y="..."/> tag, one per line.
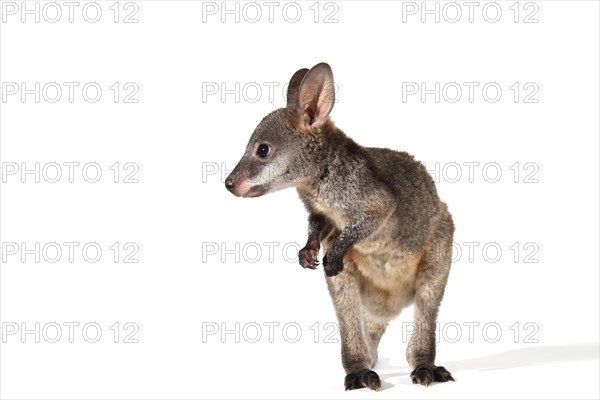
<point x="386" y="277"/>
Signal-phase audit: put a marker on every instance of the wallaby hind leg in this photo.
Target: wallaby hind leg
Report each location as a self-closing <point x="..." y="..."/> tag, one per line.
<point x="430" y="285"/>
<point x="374" y="329"/>
<point x="356" y="355"/>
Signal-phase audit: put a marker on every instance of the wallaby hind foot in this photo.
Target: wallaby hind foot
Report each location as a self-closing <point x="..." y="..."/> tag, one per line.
<point x="362" y="378"/>
<point x="426" y="373"/>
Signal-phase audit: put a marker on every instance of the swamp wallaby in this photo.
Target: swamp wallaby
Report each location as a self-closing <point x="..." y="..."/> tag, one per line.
<point x="386" y="235"/>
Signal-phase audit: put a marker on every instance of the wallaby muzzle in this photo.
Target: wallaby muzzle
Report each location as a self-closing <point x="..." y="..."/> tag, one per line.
<point x="239" y="183"/>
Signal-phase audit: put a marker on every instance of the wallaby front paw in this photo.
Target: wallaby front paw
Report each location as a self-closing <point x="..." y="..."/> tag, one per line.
<point x="309" y="257"/>
<point x="424" y="374"/>
<point x="333" y="265"/>
<point x="362" y="378"/>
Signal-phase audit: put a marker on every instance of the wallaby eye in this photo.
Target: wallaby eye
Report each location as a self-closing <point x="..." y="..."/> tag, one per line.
<point x="263" y="150"/>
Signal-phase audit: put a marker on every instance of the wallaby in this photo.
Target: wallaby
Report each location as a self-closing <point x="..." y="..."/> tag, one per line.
<point x="386" y="235"/>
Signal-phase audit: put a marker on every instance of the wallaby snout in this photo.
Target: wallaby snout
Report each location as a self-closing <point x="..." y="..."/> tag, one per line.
<point x="239" y="188"/>
<point x="240" y="184"/>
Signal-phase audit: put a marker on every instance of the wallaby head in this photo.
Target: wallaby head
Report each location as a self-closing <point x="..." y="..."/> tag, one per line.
<point x="283" y="149"/>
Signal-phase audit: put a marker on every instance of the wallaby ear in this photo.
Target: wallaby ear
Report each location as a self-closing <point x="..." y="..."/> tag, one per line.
<point x="294" y="85"/>
<point x="317" y="95"/>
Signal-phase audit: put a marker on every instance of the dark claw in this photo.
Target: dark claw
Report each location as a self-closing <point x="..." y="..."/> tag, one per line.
<point x="352" y="382"/>
<point x="371" y="380"/>
<point x="362" y="378"/>
<point x="442" y="375"/>
<point x="424" y="374"/>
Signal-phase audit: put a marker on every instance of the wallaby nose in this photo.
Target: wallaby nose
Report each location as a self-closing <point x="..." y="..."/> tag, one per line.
<point x="229" y="184"/>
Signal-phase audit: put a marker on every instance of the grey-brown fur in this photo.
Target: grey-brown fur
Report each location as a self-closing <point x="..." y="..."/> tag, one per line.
<point x="385" y="234"/>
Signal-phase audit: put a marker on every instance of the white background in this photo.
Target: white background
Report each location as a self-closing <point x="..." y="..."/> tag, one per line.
<point x="542" y="292"/>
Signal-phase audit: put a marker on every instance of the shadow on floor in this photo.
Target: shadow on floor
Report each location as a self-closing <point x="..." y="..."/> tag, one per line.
<point x="524" y="357"/>
<point x="528" y="356"/>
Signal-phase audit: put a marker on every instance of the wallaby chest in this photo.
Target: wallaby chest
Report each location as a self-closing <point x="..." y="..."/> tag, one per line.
<point x="337" y="216"/>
